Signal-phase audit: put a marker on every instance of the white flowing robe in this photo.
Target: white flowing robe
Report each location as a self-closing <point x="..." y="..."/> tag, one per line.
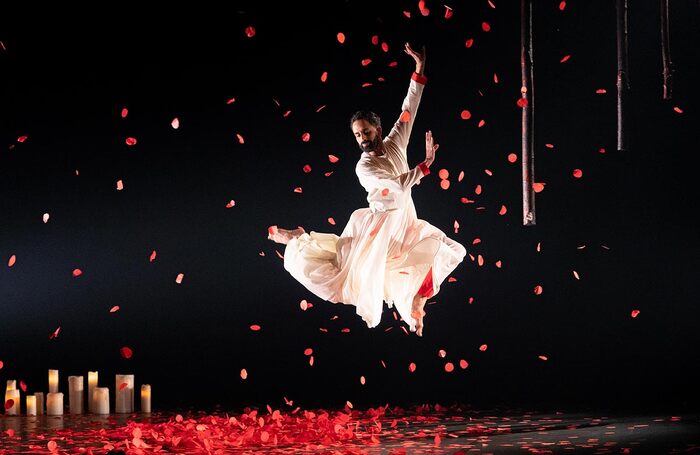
<point x="385" y="252"/>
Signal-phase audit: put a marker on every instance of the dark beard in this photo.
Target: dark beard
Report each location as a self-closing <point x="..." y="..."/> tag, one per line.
<point x="370" y="146"/>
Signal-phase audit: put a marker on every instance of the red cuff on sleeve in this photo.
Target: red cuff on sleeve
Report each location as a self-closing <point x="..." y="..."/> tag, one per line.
<point x="424" y="169"/>
<point x="419" y="78"/>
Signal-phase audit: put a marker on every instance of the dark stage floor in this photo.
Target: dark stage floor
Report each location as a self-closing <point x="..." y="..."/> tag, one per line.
<point x="375" y="431"/>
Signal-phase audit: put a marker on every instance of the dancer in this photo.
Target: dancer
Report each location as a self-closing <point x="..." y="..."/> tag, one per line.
<point x="385" y="253"/>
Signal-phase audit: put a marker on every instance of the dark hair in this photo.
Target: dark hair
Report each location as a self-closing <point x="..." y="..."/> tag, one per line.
<point x="370" y="116"/>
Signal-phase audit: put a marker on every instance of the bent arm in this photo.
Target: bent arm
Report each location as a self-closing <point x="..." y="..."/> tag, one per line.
<point x="372" y="178"/>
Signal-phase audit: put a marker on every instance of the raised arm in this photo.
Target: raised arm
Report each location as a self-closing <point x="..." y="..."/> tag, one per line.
<point x="401" y="131"/>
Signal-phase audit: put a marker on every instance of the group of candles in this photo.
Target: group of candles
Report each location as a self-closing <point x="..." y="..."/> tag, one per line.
<point x="98" y="397"/>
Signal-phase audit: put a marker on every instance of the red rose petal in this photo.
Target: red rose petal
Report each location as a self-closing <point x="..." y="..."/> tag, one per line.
<point x="255" y="328"/>
<point x="153" y="256"/>
<point x="114" y="309"/>
<point x="538" y="290"/>
<point x="466" y="115"/>
<point x="340" y="37"/>
<point x="306" y="137"/>
<point x="126" y="352"/>
<point x="77" y="272"/>
<point x="412" y="367"/>
<point x="12" y="261"/>
<point x="250" y="31"/>
<point x="405" y="117"/>
<point x="512" y="157"/>
<point x="130" y="141"/>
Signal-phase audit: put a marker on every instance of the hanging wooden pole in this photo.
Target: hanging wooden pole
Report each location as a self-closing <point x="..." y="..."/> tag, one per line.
<point x="666" y="51"/>
<point x="527" y="105"/>
<point x="622" y="73"/>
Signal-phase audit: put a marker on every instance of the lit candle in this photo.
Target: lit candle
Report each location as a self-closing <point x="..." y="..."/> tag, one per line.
<point x="75" y="394"/>
<point x="39" y="403"/>
<point x="13" y="395"/>
<point x="92" y="383"/>
<point x="54" y="404"/>
<point x="53" y="381"/>
<point x="145" y="398"/>
<point x="31" y="405"/>
<point x="100" y="400"/>
<point x="11" y="384"/>
<point x="124" y="394"/>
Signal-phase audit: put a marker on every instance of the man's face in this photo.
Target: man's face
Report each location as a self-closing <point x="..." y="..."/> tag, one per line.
<point x="368" y="137"/>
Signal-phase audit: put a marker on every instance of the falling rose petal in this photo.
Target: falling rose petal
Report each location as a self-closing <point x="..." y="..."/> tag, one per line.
<point x="240" y="138"/>
<point x="503" y="210"/>
<point x="250" y="31"/>
<point x="565" y="58"/>
<point x="306" y="168"/>
<point x="576" y="275"/>
<point x="405" y="117"/>
<point x="485" y="26"/>
<point x="449" y="367"/>
<point x="463" y="364"/>
<point x="522" y="102"/>
<point x="549" y="146"/>
<point x="492" y="5"/>
<point x="483" y="347"/>
<point x="1" y="364"/>
<point x="539" y="247"/>
<point x="578" y="173"/>
<point x="412" y="367"/>
<point x="255" y="328"/>
<point x="601" y="91"/>
<point x="126" y="352"/>
<point x="678" y="109"/>
<point x="320" y="108"/>
<point x="230" y="204"/>
<point x="286" y="114"/>
<point x="179" y="278"/>
<point x="461" y="176"/>
<point x="311" y="361"/>
<point x="231" y="101"/>
<point x="477" y="189"/>
<point x="55" y="333"/>
<point x="333" y="158"/>
<point x="114" y="309"/>
<point x="366" y="61"/>
<point x="45" y="218"/>
<point x="407" y="14"/>
<point x="466" y="115"/>
<point x="512" y="157"/>
<point x="340" y="37"/>
<point x="444" y="184"/>
<point x="601" y="150"/>
<point x="469" y="43"/>
<point x="21" y="139"/>
<point x="443" y="173"/>
<point x="375" y="40"/>
<point x="298" y="189"/>
<point x="495" y="78"/>
<point x="12" y="260"/>
<point x="538" y="290"/>
<point x="448" y="12"/>
<point x="77" y="272"/>
<point x="125" y="112"/>
<point x="244" y="374"/>
<point x="130" y="141"/>
<point x="175" y="123"/>
<point x="538" y="187"/>
<point x="324" y="76"/>
<point x="634" y="313"/>
<point x="331" y="220"/>
<point x="308" y="351"/>
<point x="9" y="403"/>
<point x="481" y="123"/>
<point x="153" y="256"/>
<point x="385" y="47"/>
<point x="303" y="305"/>
<point x="120" y="185"/>
<point x="542" y="357"/>
<point x="456" y="227"/>
<point x="476" y="241"/>
<point x="499" y="264"/>
<point x="562" y="5"/>
<point x="366" y="84"/>
<point x="480" y="260"/>
<point x="306" y="137"/>
<point x="442" y="353"/>
<point x="362" y="380"/>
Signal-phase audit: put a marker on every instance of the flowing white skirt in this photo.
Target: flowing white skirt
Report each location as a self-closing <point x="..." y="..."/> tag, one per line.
<point x="380" y="256"/>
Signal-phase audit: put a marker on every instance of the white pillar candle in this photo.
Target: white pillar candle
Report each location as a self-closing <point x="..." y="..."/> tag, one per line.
<point x="39" y="403"/>
<point x="53" y="381"/>
<point x="31" y="405"/>
<point x="124" y="394"/>
<point x="100" y="400"/>
<point x="92" y="383"/>
<point x="145" y="398"/>
<point x="75" y="394"/>
<point x="54" y="404"/>
<point x="13" y="395"/>
<point x="11" y="384"/>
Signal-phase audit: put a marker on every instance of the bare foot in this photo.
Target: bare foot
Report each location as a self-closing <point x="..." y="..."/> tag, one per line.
<point x="418" y="313"/>
<point x="283" y="235"/>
